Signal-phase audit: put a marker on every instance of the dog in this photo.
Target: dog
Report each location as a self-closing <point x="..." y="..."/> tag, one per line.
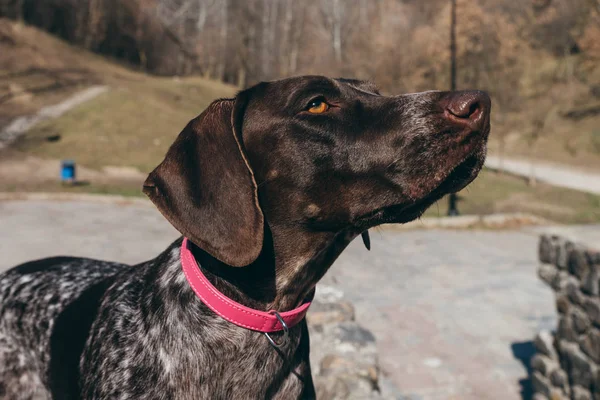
<point x="267" y="189"/>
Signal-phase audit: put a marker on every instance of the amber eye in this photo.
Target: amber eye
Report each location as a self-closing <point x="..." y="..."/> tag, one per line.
<point x="317" y="106"/>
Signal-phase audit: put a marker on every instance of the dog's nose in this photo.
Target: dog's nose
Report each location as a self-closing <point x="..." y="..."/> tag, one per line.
<point x="468" y="108"/>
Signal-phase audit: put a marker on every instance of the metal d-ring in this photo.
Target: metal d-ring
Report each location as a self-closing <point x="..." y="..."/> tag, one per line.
<point x="286" y="331"/>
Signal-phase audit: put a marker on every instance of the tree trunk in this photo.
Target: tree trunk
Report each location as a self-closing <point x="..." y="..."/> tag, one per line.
<point x="19" y="10"/>
<point x="363" y="14"/>
<point x="273" y="48"/>
<point x="241" y="79"/>
<point x="286" y="41"/>
<point x="202" y="14"/>
<point x="223" y="41"/>
<point x="266" y="59"/>
<point x="337" y="29"/>
<point x="296" y="36"/>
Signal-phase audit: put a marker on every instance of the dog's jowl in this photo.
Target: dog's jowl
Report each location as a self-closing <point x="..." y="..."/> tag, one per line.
<point x="267" y="189"/>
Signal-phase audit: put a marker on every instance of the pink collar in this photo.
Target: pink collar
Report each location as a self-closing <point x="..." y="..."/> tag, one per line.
<point x="230" y="310"/>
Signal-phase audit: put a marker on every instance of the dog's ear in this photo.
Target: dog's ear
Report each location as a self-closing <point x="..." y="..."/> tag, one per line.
<point x="206" y="188"/>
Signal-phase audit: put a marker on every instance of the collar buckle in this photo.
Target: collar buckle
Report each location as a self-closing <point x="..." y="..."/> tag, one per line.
<point x="286" y="330"/>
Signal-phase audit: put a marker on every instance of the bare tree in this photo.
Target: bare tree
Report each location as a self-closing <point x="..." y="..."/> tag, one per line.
<point x="333" y="13"/>
<point x="297" y="31"/>
<point x="398" y="43"/>
<point x="224" y="23"/>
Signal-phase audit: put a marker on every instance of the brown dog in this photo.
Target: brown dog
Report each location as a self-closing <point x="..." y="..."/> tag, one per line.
<point x="269" y="187"/>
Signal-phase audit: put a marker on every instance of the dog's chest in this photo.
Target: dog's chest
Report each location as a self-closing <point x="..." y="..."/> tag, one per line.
<point x="161" y="342"/>
<point x="221" y="365"/>
<point x="248" y="373"/>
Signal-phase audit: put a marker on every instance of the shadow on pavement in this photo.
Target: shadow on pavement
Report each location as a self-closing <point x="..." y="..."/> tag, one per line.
<point x="524" y="352"/>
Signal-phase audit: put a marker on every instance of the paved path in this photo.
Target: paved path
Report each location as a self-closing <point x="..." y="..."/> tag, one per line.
<point x="554" y="174"/>
<point x="449" y="308"/>
<point x="33" y="229"/>
<point x="22" y="124"/>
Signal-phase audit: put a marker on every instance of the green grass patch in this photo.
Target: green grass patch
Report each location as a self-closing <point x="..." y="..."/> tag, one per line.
<point x="127" y="189"/>
<point x="494" y="193"/>
<point x="595" y="139"/>
<point x="131" y="125"/>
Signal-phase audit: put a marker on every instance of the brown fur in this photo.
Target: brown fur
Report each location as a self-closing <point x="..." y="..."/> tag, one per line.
<point x="270" y="195"/>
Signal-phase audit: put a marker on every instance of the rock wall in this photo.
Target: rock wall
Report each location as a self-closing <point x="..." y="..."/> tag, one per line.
<point x="343" y="353"/>
<point x="567" y="363"/>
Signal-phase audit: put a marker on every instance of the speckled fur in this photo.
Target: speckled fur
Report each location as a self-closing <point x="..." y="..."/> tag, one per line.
<point x="46" y="309"/>
<point x="74" y="328"/>
<point x="118" y="332"/>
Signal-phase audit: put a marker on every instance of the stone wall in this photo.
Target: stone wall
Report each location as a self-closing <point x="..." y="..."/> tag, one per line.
<point x="567" y="362"/>
<point x="343" y="353"/>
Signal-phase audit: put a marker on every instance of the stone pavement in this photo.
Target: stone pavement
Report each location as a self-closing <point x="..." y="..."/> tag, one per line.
<point x="453" y="311"/>
<point x="34" y="229"/>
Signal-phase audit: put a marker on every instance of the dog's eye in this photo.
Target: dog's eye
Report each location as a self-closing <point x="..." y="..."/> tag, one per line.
<point x="317" y="106"/>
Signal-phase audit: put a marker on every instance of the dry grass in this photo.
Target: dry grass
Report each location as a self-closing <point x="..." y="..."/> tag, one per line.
<point x="574" y="143"/>
<point x="121" y="188"/>
<point x="131" y="125"/>
<point x="569" y="109"/>
<point x="37" y="69"/>
<point x="492" y="192"/>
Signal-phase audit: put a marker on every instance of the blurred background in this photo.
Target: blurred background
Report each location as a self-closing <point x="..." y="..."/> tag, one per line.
<point x="92" y="93"/>
<point x="154" y="64"/>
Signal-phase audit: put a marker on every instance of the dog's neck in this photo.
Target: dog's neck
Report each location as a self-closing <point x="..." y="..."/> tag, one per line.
<point x="290" y="265"/>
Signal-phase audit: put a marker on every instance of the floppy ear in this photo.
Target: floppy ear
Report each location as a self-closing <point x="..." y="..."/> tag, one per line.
<point x="206" y="188"/>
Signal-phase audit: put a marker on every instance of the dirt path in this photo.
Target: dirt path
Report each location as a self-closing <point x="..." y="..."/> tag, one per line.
<point x="22" y="124"/>
<point x="554" y="174"/>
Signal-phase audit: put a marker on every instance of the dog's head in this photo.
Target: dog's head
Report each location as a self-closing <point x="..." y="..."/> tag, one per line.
<point x="322" y="154"/>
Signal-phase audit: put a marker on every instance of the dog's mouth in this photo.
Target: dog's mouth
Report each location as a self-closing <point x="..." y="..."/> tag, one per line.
<point x="457" y="179"/>
<point x="462" y="175"/>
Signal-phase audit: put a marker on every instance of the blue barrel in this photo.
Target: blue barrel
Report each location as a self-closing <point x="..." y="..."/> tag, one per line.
<point x="67" y="171"/>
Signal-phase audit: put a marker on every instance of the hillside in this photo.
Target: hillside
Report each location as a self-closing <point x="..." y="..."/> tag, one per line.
<point x="539" y="59"/>
<point x="131" y="124"/>
<point x="119" y="136"/>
